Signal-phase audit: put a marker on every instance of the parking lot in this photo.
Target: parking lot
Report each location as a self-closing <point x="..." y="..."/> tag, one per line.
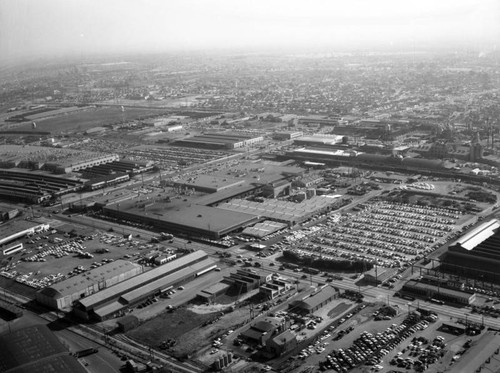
<point x="383" y="233"/>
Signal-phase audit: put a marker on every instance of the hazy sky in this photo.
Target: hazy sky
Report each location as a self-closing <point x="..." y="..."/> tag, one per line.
<point x="83" y="27"/>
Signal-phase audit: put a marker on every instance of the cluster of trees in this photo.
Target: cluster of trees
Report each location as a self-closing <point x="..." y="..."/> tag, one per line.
<point x="327" y="264"/>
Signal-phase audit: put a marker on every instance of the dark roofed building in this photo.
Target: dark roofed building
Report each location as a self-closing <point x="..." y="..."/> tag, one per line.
<point x="263" y="330"/>
<point x="35" y="349"/>
<point x="282" y="343"/>
<point x="478" y="250"/>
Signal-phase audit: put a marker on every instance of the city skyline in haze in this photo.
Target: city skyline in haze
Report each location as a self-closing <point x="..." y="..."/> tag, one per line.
<point x="45" y="28"/>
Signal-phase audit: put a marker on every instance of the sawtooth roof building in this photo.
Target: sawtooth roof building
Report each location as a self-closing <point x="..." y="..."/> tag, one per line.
<point x="477" y="252"/>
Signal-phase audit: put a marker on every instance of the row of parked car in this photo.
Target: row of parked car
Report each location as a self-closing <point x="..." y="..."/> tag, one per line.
<point x="369" y="349"/>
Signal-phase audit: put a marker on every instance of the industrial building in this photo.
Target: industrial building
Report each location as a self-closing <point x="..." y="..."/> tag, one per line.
<point x="34" y="187"/>
<point x="282" y="343"/>
<point x="283" y="211"/>
<point x="287" y="135"/>
<point x="275" y="287"/>
<point x="198" y="220"/>
<point x="110" y="301"/>
<point x="261" y="331"/>
<point x="377" y="275"/>
<point x="263" y="229"/>
<point x="429" y="291"/>
<point x="318" y="140"/>
<point x="210" y="294"/>
<point x="62" y="295"/>
<point x="56" y="160"/>
<point x="247" y="279"/>
<point x="35" y="349"/>
<point x="314" y="302"/>
<point x="483" y="356"/>
<point x="477" y="252"/>
<point x="20" y="229"/>
<point x="221" y="140"/>
<point x="208" y="184"/>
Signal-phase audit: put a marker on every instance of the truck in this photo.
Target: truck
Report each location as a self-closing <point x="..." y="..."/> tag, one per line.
<point x="86" y="352"/>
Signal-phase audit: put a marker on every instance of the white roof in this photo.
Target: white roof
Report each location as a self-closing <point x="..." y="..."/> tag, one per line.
<point x="478" y="235"/>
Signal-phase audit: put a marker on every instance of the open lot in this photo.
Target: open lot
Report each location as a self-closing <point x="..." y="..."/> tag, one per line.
<point x="92" y="117"/>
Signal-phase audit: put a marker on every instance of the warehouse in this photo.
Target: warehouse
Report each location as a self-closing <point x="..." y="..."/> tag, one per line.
<point x="190" y="220"/>
<point x="211" y="293"/>
<point x="429" y="291"/>
<point x="63" y="294"/>
<point x="112" y="300"/>
<point x="220" y="140"/>
<point x="207" y="184"/>
<point x="314" y="302"/>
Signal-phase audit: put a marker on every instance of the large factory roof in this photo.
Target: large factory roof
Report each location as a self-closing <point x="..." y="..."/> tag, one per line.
<point x="141" y="279"/>
<point x="206" y="218"/>
<point x="83" y="281"/>
<point x="35" y="349"/>
<point x="40" y="154"/>
<point x="324" y="152"/>
<point x="478" y="235"/>
<point x="280" y="210"/>
<point x="209" y="182"/>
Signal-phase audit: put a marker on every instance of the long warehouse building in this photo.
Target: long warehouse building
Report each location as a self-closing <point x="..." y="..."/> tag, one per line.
<point x="62" y="295"/>
<point x="110" y="301"/>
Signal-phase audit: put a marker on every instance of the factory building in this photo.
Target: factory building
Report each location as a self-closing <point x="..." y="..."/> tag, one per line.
<point x="248" y="279"/>
<point x="282" y="343"/>
<point x="274" y="288"/>
<point x="283" y="211"/>
<point x="190" y="220"/>
<point x="429" y="291"/>
<point x="221" y="140"/>
<point x="477" y="253"/>
<point x="110" y="301"/>
<point x="314" y="302"/>
<point x="63" y="294"/>
<point x="261" y="331"/>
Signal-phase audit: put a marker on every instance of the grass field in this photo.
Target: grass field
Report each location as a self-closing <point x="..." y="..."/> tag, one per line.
<point x="93" y="117"/>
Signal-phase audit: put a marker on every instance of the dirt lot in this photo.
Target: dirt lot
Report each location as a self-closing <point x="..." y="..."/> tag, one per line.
<point x="83" y="120"/>
<point x="187" y="326"/>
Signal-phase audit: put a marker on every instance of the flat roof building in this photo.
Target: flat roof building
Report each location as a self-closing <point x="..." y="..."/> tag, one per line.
<point x="429" y="291"/>
<point x="199" y="220"/>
